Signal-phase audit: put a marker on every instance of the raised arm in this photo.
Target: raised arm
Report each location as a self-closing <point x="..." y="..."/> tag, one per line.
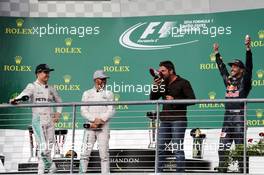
<point x="221" y="65"/>
<point x="248" y="62"/>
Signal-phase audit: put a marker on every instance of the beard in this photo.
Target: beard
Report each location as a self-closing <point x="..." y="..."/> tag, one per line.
<point x="166" y="79"/>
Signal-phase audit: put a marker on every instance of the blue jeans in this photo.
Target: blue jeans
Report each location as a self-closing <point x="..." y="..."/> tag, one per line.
<point x="171" y="133"/>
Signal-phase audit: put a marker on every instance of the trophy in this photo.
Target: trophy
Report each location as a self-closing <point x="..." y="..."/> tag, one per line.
<point x="60" y="135"/>
<point x="198" y="141"/>
<point x="152" y="129"/>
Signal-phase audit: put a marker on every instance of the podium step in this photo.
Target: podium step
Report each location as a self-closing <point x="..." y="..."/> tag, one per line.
<point x="123" y="160"/>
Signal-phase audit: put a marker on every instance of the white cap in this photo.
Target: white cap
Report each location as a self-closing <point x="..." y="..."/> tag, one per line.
<point x="99" y="74"/>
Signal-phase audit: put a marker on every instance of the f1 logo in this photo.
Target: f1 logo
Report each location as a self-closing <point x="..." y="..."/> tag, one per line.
<point x="164" y="30"/>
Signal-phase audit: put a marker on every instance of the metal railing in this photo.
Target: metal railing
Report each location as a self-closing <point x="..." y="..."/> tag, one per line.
<point x="157" y="103"/>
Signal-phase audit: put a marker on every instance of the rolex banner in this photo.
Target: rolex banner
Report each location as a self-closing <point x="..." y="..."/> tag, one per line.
<point x="126" y="48"/>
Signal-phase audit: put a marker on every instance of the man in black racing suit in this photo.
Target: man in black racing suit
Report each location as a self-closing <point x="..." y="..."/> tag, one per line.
<point x="238" y="85"/>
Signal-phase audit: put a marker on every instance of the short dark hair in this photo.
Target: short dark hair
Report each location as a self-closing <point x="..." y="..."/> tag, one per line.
<point x="169" y="65"/>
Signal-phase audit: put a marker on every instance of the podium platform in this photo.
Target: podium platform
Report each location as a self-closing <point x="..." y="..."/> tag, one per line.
<point x="123" y="160"/>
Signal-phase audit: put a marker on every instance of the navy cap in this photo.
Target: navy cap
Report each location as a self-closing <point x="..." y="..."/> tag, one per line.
<point x="43" y="67"/>
<point x="237" y="62"/>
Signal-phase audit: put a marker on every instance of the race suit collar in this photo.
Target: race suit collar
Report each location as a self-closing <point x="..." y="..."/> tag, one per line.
<point x="94" y="88"/>
<point x="42" y="85"/>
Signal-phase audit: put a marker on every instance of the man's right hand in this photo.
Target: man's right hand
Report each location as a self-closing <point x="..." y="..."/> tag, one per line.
<point x="216" y="48"/>
<point x="157" y="81"/>
<point x="13" y="101"/>
<point x="93" y="126"/>
<point x="98" y="121"/>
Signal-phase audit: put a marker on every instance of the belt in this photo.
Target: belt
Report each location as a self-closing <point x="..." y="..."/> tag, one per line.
<point x="235" y="110"/>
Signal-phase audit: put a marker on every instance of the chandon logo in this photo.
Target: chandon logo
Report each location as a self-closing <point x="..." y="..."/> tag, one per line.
<point x="158" y="33"/>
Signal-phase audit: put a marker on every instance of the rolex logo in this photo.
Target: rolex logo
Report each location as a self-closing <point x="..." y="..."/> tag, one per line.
<point x="117" y="60"/>
<point x="66" y="116"/>
<point x="261" y="34"/>
<point x="68" y="49"/>
<point x="260" y="73"/>
<point x="259" y="113"/>
<point x="119" y="107"/>
<point x="18" y="59"/>
<point x="117" y="67"/>
<point x="67" y="78"/>
<point x="210" y="65"/>
<point x="19" y="22"/>
<point x="67" y="85"/>
<point x="212" y="95"/>
<point x="68" y="42"/>
<point x="17" y="67"/>
<point x="212" y="57"/>
<point x="116" y="97"/>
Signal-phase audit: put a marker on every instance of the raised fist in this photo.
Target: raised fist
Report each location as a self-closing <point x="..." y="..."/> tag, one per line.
<point x="216" y="47"/>
<point x="247" y="41"/>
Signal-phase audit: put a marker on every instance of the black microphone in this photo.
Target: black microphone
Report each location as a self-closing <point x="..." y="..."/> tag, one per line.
<point x="23" y="98"/>
<point x="87" y="125"/>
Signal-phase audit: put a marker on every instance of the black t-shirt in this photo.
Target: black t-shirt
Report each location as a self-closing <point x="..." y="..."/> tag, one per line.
<point x="179" y="89"/>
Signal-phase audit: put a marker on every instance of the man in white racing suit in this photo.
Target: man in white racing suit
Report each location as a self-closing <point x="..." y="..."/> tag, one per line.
<point x="44" y="119"/>
<point x="98" y="117"/>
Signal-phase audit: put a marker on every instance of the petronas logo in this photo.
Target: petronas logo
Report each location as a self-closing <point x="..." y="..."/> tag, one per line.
<point x="68" y="42"/>
<point x="19" y="22"/>
<point x="259" y="113"/>
<point x="212" y="57"/>
<point x="67" y="78"/>
<point x="212" y="95"/>
<point x="116" y="97"/>
<point x="261" y="34"/>
<point x="18" y="60"/>
<point x="260" y="73"/>
<point x="117" y="60"/>
<point x="66" y="116"/>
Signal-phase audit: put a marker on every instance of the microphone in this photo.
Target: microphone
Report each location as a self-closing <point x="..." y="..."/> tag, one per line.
<point x="87" y="125"/>
<point x="23" y="98"/>
<point x="154" y="73"/>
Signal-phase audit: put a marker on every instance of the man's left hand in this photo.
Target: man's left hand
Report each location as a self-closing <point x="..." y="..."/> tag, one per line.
<point x="56" y="117"/>
<point x="99" y="121"/>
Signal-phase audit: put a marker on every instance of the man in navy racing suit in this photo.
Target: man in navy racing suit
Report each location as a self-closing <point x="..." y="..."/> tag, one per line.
<point x="238" y="85"/>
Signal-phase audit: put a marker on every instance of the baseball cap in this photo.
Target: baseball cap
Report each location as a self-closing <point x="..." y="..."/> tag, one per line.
<point x="237" y="62"/>
<point x="43" y="67"/>
<point x="99" y="74"/>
